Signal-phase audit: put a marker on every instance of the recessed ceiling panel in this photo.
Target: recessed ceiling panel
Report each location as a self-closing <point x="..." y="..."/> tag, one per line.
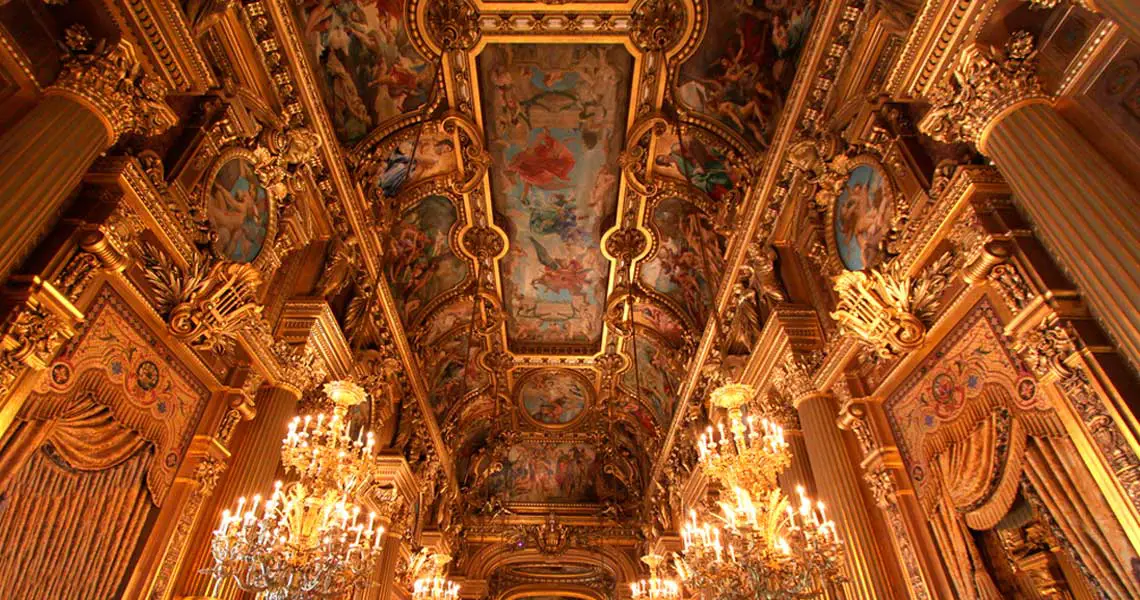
<point x="555" y="118"/>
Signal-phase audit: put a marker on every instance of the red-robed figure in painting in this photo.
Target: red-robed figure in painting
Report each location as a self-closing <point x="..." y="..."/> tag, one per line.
<point x="545" y="164"/>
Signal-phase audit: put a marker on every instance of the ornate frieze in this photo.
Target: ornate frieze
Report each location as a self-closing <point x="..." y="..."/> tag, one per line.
<point x="987" y="83"/>
<point x="112" y="82"/>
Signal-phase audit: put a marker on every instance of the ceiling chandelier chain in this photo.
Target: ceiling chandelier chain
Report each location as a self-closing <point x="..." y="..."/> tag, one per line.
<point x="309" y="538"/>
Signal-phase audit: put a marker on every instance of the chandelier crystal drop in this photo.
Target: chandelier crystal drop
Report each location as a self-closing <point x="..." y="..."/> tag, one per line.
<point x="759" y="545"/>
<point x="656" y="587"/>
<point x="310" y="539"/>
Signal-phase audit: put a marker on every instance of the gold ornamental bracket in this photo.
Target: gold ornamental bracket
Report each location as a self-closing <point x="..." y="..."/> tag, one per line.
<point x="888" y="309"/>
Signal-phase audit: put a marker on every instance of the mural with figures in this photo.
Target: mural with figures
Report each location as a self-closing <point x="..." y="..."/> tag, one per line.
<point x="534" y="471"/>
<point x="705" y="166"/>
<point x="863" y="214"/>
<point x="657" y="369"/>
<point x="554" y="397"/>
<point x="684" y="248"/>
<point x="430" y="153"/>
<point x="741" y="77"/>
<point x="446" y="376"/>
<point x="370" y="69"/>
<point x="238" y="210"/>
<point x="421" y="264"/>
<point x="555" y="134"/>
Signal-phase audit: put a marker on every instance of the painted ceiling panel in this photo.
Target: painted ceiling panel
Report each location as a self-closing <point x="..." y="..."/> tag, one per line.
<point x="421" y="263"/>
<point x="370" y="69"/>
<point x="555" y="134"/>
<point x="740" y="76"/>
<point x="684" y="249"/>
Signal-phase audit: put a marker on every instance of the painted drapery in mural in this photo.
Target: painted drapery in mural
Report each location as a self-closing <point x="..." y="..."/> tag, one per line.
<point x="555" y="121"/>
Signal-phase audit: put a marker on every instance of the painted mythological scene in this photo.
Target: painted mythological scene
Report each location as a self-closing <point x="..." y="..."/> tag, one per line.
<point x="863" y="215"/>
<point x="429" y="154"/>
<point x="555" y="118"/>
<point x="554" y="397"/>
<point x="704" y="165"/>
<point x="371" y="70"/>
<point x="741" y="77"/>
<point x="684" y="249"/>
<point x="658" y="369"/>
<point x="447" y="378"/>
<point x="421" y="264"/>
<point x="541" y="472"/>
<point x="238" y="210"/>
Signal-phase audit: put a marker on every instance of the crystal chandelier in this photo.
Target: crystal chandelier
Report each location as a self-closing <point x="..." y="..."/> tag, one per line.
<point x="656" y="587"/>
<point x="761" y="547"/>
<point x="431" y="581"/>
<point x="308" y="540"/>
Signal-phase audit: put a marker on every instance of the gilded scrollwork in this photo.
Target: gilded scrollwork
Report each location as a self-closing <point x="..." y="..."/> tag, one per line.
<point x="111" y="80"/>
<point x="657" y="24"/>
<point x="985" y="84"/>
<point x="206" y="305"/>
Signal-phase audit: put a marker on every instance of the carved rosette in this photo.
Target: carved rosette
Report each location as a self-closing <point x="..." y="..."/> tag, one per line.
<point x="987" y="84"/>
<point x="657" y="25"/>
<point x="483" y="242"/>
<point x="113" y="84"/>
<point x="453" y="24"/>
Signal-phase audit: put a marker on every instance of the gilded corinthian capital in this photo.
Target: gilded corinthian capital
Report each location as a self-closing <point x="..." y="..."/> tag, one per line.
<point x="987" y="84"/>
<point x="111" y="83"/>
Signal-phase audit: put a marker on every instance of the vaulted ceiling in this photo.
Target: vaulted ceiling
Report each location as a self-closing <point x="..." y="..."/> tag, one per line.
<point x="553" y="185"/>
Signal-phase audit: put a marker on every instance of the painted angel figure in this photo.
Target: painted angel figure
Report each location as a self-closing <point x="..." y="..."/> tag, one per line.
<point x="560" y="274"/>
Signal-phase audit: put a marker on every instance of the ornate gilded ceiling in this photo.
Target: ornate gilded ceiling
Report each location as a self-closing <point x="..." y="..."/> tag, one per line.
<point x="541" y="176"/>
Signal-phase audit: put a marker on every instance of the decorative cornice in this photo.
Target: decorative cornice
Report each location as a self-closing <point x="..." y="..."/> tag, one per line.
<point x="161" y="28"/>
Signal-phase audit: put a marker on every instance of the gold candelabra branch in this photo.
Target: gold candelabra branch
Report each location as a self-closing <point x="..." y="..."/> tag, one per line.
<point x="431" y="583"/>
<point x="656" y="587"/>
<point x="308" y="540"/>
<point x="760" y="546"/>
<point x="750" y="454"/>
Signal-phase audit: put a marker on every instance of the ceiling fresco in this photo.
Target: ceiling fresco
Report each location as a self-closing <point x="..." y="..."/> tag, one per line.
<point x="740" y="77"/>
<point x="685" y="248"/>
<point x="554" y="134"/>
<point x="538" y="183"/>
<point x="370" y="68"/>
<point x="422" y="265"/>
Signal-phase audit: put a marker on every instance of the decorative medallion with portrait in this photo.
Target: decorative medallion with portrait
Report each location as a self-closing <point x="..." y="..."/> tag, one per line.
<point x="554" y="398"/>
<point x="238" y="208"/>
<point x="862" y="216"/>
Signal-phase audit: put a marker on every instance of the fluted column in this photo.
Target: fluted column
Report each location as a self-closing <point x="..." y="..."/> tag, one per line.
<point x="255" y="455"/>
<point x="43" y="156"/>
<point x="1087" y="214"/>
<point x="839" y="488"/>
